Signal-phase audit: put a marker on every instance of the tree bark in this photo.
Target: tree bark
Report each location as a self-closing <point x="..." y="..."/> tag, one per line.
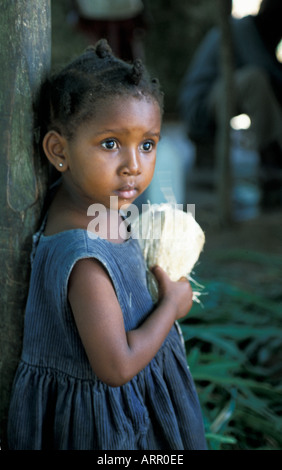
<point x="223" y="145"/>
<point x="25" y="45"/>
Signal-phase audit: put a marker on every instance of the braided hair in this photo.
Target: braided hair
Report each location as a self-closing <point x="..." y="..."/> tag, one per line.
<point x="72" y="96"/>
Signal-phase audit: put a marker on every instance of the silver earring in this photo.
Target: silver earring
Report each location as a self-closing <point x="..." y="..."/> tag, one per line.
<point x="61" y="165"/>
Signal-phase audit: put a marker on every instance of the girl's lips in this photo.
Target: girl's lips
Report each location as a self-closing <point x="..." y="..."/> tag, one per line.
<point x="126" y="193"/>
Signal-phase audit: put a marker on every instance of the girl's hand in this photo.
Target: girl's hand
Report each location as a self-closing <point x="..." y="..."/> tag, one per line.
<point x="178" y="293"/>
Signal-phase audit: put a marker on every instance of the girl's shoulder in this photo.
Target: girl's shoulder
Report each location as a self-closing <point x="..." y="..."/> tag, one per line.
<point x="68" y="246"/>
<point x="61" y="246"/>
<point x="67" y="241"/>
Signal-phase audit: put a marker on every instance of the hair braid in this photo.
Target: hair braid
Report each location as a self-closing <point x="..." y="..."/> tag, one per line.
<point x="137" y="71"/>
<point x="103" y="49"/>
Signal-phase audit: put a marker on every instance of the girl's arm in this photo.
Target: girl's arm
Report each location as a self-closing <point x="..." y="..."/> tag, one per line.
<point x="115" y="355"/>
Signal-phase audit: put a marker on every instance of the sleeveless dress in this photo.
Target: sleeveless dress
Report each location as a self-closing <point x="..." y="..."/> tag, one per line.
<point x="57" y="400"/>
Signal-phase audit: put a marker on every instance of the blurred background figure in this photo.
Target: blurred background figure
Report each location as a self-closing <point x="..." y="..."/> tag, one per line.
<point x="121" y="22"/>
<point x="257" y="90"/>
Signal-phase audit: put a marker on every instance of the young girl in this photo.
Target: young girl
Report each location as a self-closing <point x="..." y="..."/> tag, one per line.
<point x="102" y="367"/>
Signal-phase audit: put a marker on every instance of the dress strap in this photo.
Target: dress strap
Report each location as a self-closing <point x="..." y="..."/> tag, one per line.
<point x="36" y="238"/>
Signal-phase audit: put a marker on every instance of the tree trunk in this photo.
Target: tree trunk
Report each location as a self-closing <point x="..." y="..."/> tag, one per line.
<point x="25" y="45"/>
<point x="223" y="147"/>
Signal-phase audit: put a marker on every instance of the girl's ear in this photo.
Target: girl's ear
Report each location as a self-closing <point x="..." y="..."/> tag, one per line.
<point x="54" y="146"/>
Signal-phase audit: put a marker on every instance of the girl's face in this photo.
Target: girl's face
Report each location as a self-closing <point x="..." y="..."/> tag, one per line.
<point x="113" y="154"/>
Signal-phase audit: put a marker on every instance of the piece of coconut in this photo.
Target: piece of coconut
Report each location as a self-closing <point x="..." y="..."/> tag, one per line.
<point x="171" y="239"/>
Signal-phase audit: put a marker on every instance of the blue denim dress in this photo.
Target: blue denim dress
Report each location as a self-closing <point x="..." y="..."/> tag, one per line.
<point x="57" y="400"/>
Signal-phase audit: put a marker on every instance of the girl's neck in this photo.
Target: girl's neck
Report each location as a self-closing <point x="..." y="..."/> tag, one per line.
<point x="65" y="213"/>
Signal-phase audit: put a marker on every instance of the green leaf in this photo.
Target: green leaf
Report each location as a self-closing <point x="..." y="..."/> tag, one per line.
<point x="221" y="439"/>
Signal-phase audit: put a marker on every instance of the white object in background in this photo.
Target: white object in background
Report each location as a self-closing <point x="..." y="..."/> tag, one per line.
<point x="243" y="8"/>
<point x="175" y="157"/>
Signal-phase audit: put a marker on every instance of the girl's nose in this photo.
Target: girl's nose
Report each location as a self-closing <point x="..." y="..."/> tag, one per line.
<point x="131" y="163"/>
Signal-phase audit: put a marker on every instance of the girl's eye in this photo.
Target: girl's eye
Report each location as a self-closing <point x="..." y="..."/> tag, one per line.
<point x="110" y="144"/>
<point x="147" y="146"/>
